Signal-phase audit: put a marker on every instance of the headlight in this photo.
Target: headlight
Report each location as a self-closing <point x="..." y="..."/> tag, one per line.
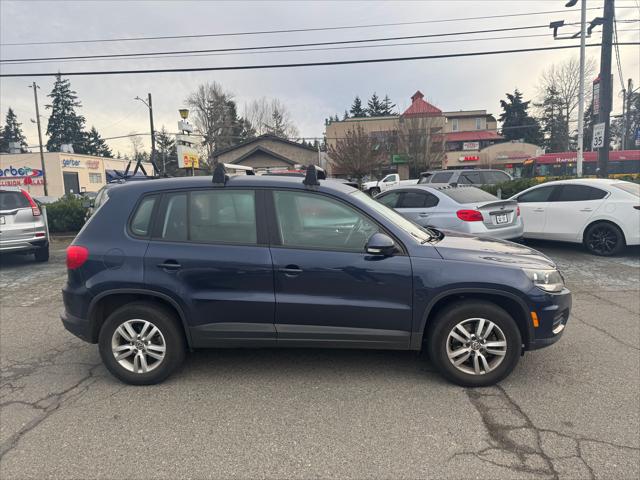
<point x="547" y="280"/>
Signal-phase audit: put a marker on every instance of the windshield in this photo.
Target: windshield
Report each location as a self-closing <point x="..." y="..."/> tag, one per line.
<point x="398" y="220"/>
<point x="632" y="188"/>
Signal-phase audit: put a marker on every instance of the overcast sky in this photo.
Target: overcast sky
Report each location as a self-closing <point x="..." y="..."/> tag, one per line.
<point x="311" y="94"/>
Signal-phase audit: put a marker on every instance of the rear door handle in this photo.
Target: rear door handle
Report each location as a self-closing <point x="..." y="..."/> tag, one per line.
<point x="587" y="210"/>
<point x="291" y="270"/>
<point x="424" y="215"/>
<point x="170" y="265"/>
<point x="538" y="209"/>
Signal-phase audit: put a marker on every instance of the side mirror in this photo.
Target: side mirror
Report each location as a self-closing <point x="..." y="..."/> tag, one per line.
<point x="380" y="244"/>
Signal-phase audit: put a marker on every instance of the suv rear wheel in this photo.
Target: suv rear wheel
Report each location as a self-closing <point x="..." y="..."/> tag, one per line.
<point x="474" y="344"/>
<point x="141" y="343"/>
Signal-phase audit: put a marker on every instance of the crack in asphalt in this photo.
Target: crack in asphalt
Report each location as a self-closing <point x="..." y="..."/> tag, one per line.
<point x="603" y="331"/>
<point x="48" y="405"/>
<point x="503" y="440"/>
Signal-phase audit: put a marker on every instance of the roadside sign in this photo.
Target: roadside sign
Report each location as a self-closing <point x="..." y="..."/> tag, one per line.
<point x="187" y="157"/>
<point x="598" y="136"/>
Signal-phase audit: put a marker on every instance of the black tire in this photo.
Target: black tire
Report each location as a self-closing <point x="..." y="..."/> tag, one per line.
<point x="448" y="318"/>
<point x="374" y="191"/>
<point x="42" y="254"/>
<point x="168" y="326"/>
<point x="604" y="239"/>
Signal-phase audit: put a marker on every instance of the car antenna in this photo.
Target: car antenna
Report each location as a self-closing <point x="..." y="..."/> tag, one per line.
<point x="220" y="176"/>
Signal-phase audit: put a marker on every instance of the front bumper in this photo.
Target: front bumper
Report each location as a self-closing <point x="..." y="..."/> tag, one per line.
<point x="553" y="311"/>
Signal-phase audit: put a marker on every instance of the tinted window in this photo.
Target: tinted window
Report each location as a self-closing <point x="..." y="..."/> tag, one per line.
<point x="579" y="193"/>
<point x="174" y="224"/>
<point x="469" y="178"/>
<point x="468" y="195"/>
<point x="142" y="218"/>
<point x="225" y="216"/>
<point x="495" y="177"/>
<point x="537" y="195"/>
<point x="418" y="200"/>
<point x="442" y="177"/>
<point x="13" y="200"/>
<point x="308" y="220"/>
<point x="390" y="199"/>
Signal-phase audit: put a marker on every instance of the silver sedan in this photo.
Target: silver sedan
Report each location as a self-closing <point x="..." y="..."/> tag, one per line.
<point x="460" y="208"/>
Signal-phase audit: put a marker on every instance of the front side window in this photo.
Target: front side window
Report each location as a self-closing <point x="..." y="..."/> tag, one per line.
<point x="536" y="195"/>
<point x="579" y="193"/>
<point x="307" y="220"/>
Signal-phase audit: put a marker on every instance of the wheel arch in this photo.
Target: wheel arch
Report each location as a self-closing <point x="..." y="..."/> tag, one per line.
<point x="602" y="220"/>
<point x="106" y="302"/>
<point x="510" y="302"/>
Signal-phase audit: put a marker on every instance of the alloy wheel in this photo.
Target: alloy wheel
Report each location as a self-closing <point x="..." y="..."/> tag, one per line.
<point x="476" y="346"/>
<point x="602" y="240"/>
<point x="138" y="346"/>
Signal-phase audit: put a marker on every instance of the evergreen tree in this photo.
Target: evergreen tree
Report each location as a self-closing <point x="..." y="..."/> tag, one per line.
<point x="4" y="146"/>
<point x="517" y="124"/>
<point x="356" y="109"/>
<point x="554" y="126"/>
<point x="388" y="107"/>
<point x="94" y="145"/>
<point x="65" y="125"/>
<point x="167" y="156"/>
<point x="345" y="116"/>
<point x="12" y="132"/>
<point x="375" y="107"/>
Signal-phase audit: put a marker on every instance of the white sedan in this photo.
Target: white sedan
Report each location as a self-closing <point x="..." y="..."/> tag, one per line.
<point x="604" y="214"/>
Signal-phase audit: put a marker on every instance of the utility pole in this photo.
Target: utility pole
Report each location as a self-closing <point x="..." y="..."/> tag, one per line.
<point x="583" y="35"/>
<point x="605" y="87"/>
<point x="42" y="165"/>
<point x="153" y="133"/>
<point x="626" y="107"/>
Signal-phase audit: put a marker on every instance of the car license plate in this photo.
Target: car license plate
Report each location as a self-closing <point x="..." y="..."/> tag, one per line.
<point x="502" y="218"/>
<point x="1" y="220"/>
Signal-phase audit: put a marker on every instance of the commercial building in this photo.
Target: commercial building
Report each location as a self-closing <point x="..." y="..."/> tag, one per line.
<point x="459" y="139"/>
<point x="65" y="172"/>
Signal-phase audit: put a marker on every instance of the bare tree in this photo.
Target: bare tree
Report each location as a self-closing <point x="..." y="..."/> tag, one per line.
<point x="564" y="78"/>
<point x="137" y="148"/>
<point x="356" y="153"/>
<point x="421" y="139"/>
<point x="270" y="116"/>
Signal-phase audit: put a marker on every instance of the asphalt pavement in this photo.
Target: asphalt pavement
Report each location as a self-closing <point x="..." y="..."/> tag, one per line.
<point x="568" y="411"/>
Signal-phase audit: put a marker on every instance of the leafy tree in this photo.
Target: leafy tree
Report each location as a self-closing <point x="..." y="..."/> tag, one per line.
<point x="355" y="154"/>
<point x="356" y="108"/>
<point x="517" y="124"/>
<point x="375" y="107"/>
<point x="553" y="120"/>
<point x="65" y="125"/>
<point x="12" y="132"/>
<point x="388" y="107"/>
<point x="94" y="145"/>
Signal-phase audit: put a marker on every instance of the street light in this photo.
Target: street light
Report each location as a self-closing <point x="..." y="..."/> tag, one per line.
<point x="184" y="113"/>
<point x="149" y="105"/>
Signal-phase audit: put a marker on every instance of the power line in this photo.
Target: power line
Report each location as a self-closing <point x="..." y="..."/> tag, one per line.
<point x="298" y="65"/>
<point x="296" y="30"/>
<point x="267" y="47"/>
<point x="617" y="48"/>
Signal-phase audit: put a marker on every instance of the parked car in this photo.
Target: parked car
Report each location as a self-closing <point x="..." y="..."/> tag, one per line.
<point x="171" y="265"/>
<point x="465" y="177"/>
<point x="602" y="214"/>
<point x="23" y="227"/>
<point x="461" y="208"/>
<point x="392" y="180"/>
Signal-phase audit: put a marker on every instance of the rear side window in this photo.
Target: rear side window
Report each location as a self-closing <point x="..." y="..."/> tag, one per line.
<point x="468" y="195"/>
<point x="442" y="177"/>
<point x="579" y="193"/>
<point x="495" y="177"/>
<point x="13" y="200"/>
<point x="141" y="219"/>
<point x="469" y="178"/>
<point x="536" y="195"/>
<point x="390" y="199"/>
<point x="418" y="200"/>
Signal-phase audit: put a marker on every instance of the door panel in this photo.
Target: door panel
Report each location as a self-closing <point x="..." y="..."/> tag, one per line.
<point x="533" y="210"/>
<point x="570" y="210"/>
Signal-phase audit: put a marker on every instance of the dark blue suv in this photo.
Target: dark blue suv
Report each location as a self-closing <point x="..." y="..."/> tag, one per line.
<point x="176" y="264"/>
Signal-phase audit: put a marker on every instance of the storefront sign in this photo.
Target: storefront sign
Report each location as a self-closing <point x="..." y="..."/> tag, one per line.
<point x="71" y="163"/>
<point x="17" y="182"/>
<point x="470" y="158"/>
<point x="20" y="172"/>
<point x="471" y="146"/>
<point x="92" y="164"/>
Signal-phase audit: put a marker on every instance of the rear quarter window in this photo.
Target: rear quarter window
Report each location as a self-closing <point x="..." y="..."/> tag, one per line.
<point x="141" y="219"/>
<point x="13" y="200"/>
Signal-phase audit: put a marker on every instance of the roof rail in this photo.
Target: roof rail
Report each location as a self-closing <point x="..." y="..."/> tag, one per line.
<point x="314" y="174"/>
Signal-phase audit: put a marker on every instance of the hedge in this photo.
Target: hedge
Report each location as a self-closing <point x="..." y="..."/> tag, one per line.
<point x="66" y="215"/>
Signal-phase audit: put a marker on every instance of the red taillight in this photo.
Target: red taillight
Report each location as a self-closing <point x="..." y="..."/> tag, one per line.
<point x="76" y="256"/>
<point x="469" y="215"/>
<point x="518" y="211"/>
<point x="34" y="206"/>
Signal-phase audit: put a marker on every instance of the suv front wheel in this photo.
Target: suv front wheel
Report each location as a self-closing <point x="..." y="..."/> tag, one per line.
<point x="141" y="343"/>
<point x="474" y="344"/>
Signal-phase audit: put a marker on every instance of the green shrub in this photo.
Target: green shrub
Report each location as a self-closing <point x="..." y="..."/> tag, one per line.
<point x="66" y="215"/>
<point x="511" y="187"/>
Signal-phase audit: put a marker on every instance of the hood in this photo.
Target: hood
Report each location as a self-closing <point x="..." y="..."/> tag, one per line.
<point x="468" y="248"/>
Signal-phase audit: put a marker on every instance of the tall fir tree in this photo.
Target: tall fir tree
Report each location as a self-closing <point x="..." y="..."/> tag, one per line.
<point x="388" y="107"/>
<point x="65" y="125"/>
<point x="356" y="108"/>
<point x="553" y="121"/>
<point x="517" y="124"/>
<point x="12" y="132"/>
<point x="374" y="106"/>
<point x="95" y="145"/>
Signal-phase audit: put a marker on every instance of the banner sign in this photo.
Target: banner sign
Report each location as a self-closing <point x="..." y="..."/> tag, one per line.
<point x="187" y="157"/>
<point x="20" y="172"/>
<point x="471" y="146"/>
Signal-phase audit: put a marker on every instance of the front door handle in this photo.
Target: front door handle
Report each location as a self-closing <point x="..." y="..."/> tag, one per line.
<point x="170" y="265"/>
<point x="423" y="215"/>
<point x="587" y="210"/>
<point x="291" y="270"/>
